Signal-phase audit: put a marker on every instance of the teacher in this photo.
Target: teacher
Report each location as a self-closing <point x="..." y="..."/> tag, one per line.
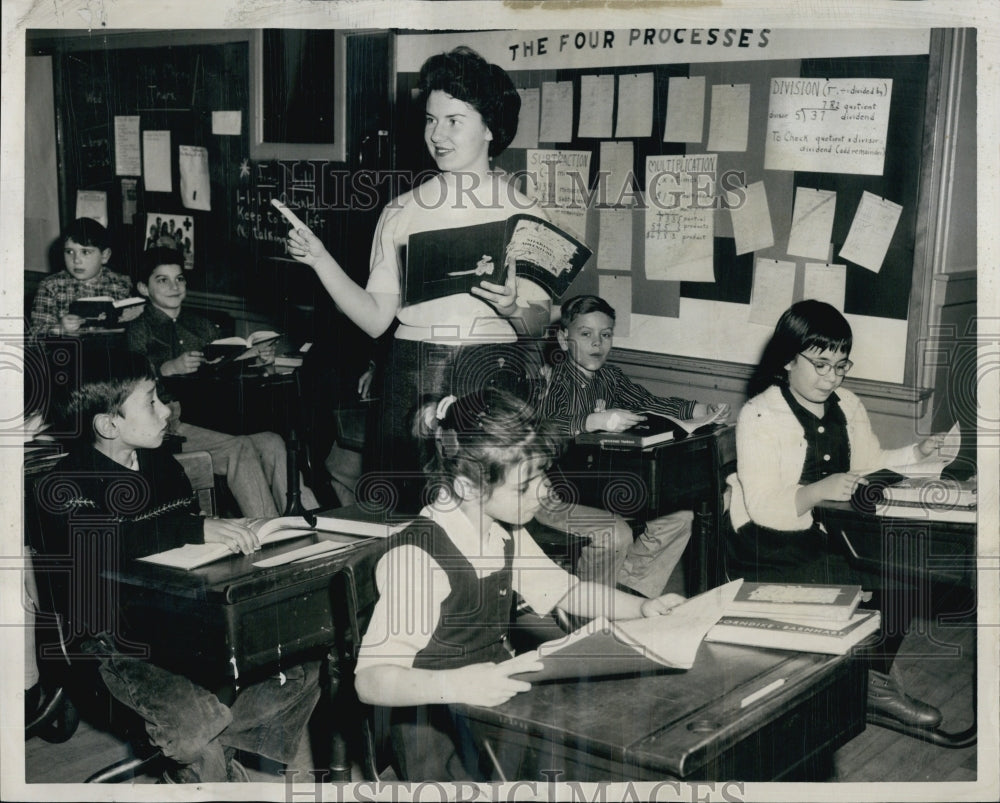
<point x="463" y="341"/>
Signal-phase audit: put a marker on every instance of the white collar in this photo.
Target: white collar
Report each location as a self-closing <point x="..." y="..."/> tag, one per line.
<point x="465" y="534"/>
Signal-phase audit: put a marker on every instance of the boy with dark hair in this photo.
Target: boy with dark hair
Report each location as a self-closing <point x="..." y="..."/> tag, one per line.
<point x="86" y="249"/>
<point x="116" y="496"/>
<point x="172" y="339"/>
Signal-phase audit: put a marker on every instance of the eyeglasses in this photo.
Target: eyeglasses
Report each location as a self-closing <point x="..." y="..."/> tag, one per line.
<point x="823" y="368"/>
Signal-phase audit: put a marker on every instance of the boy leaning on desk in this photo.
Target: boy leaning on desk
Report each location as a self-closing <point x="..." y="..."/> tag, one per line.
<point x="117" y="479"/>
<point x="584" y="394"/>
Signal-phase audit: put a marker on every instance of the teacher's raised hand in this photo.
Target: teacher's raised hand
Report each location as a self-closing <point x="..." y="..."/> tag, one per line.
<point x="305" y="246"/>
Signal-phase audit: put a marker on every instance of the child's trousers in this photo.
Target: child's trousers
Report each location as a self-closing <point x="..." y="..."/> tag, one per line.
<point x="194" y="729"/>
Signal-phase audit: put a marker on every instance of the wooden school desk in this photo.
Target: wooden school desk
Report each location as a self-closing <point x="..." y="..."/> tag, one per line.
<point x="740" y="713"/>
<point x="228" y="622"/>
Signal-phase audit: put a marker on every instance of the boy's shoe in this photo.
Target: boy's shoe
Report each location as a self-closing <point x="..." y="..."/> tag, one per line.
<point x="886" y="697"/>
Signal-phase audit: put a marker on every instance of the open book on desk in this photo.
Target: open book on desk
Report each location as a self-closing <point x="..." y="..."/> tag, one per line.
<point x="603" y="648"/>
<point x="655" y="429"/>
<point x="337" y="532"/>
<point x="444" y="262"/>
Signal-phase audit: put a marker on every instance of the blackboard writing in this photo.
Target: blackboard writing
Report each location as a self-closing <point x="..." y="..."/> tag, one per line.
<point x="292" y="183"/>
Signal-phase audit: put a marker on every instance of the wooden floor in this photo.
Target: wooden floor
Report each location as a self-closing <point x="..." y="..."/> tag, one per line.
<point x="936" y="660"/>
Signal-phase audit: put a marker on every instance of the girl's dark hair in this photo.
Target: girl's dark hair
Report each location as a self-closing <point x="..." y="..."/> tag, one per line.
<point x="581" y="305"/>
<point x="87" y="231"/>
<point x="158" y="255"/>
<point x="467" y="76"/>
<point x="482" y="435"/>
<point x="805" y="325"/>
<point x="107" y="378"/>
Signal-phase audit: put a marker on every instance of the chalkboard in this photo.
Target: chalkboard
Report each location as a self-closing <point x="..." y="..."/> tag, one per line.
<point x="170" y="88"/>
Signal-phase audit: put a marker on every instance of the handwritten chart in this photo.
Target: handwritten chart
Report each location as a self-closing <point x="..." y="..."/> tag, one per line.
<point x="835" y="125"/>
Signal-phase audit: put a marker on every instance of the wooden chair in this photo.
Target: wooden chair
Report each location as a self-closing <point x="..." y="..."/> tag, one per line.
<point x="200" y="473"/>
<point x="707" y="563"/>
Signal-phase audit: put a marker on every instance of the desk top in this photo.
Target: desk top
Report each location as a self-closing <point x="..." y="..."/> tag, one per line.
<point x="671" y="722"/>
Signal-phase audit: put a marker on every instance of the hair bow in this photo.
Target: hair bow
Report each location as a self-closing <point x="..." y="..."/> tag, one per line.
<point x="443" y="407"/>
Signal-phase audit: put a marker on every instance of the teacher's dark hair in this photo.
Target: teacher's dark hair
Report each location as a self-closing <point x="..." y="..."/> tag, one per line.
<point x="808" y="324"/>
<point x="467" y="76"/>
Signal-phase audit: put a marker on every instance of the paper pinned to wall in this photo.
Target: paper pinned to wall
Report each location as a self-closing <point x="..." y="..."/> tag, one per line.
<point x="92" y="204"/>
<point x="527" y="120"/>
<point x="829" y="125"/>
<point x="130" y="197"/>
<point x="730" y="117"/>
<point x="156" y="161"/>
<point x="557" y="112"/>
<point x="597" y="97"/>
<point x="685" y="109"/>
<point x="773" y="290"/>
<point x="635" y="105"/>
<point x="557" y="179"/>
<point x="195" y="187"/>
<point x="128" y="161"/>
<point x="227" y="123"/>
<point x="752" y="220"/>
<point x="812" y="223"/>
<point x="172" y="231"/>
<point x="825" y="283"/>
<point x="871" y="231"/>
<point x="680" y="218"/>
<point x="614" y="240"/>
<point x="617" y="178"/>
<point x="616" y="289"/>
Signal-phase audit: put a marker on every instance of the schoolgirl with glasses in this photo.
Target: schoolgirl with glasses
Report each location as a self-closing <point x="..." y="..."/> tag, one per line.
<point x="801" y="440"/>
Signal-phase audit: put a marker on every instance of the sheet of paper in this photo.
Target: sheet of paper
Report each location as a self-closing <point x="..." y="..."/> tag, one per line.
<point x="635" y="105"/>
<point x="195" y="188"/>
<point x="129" y="199"/>
<point x="825" y="283"/>
<point x="812" y="223"/>
<point x="730" y="117"/>
<point x="303" y="553"/>
<point x="616" y="289"/>
<point x="559" y="181"/>
<point x="128" y="155"/>
<point x="614" y="239"/>
<point x="617" y="179"/>
<point x="527" y="119"/>
<point x="597" y="104"/>
<point x="871" y="232"/>
<point x="227" y="123"/>
<point x="685" y="109"/>
<point x="752" y="220"/>
<point x="829" y="125"/>
<point x="773" y="290"/>
<point x="680" y="219"/>
<point x="936" y="463"/>
<point x="557" y="112"/>
<point x="156" y="161"/>
<point x="675" y="637"/>
<point x="92" y="204"/>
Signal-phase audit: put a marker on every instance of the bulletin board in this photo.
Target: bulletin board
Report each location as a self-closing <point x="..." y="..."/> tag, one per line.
<point x="875" y="302"/>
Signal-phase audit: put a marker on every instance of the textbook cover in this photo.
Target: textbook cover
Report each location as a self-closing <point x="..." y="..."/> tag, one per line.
<point x="806" y="600"/>
<point x="802" y="635"/>
<point x="444" y="262"/>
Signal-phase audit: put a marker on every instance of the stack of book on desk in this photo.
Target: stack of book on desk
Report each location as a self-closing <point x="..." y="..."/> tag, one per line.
<point x="931" y="497"/>
<point x="807" y="617"/>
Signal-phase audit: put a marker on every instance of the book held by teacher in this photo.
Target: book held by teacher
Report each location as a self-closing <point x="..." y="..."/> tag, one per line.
<point x="444" y="262"/>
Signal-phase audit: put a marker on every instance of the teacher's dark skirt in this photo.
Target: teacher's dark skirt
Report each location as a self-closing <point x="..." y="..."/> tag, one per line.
<point x="417" y="373"/>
